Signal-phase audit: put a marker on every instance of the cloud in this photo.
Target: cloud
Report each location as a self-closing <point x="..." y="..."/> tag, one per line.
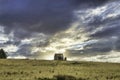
<point x="113" y="56"/>
<point x="26" y="16"/>
<point x="101" y="25"/>
<point x="16" y="57"/>
<point x="22" y="47"/>
<point x="40" y="28"/>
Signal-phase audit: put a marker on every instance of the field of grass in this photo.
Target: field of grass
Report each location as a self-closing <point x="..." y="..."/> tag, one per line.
<point x="57" y="70"/>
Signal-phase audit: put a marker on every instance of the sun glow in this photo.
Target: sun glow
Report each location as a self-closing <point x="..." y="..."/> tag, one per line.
<point x="63" y="40"/>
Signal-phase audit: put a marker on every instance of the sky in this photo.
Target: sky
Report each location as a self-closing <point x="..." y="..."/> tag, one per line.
<point x="87" y="30"/>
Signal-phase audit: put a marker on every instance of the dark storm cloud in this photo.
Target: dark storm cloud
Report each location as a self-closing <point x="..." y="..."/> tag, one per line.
<point x="99" y="47"/>
<point x="117" y="45"/>
<point x="47" y="16"/>
<point x="110" y="26"/>
<point x="28" y="17"/>
<point x="102" y="24"/>
<point x="24" y="50"/>
<point x="12" y="42"/>
<point x="107" y="32"/>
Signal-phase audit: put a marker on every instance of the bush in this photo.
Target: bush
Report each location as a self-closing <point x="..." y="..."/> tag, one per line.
<point x="2" y="54"/>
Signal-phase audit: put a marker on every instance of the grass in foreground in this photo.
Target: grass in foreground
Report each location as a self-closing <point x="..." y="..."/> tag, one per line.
<point x="57" y="70"/>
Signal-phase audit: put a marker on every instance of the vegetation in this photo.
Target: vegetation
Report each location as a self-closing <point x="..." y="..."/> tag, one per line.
<point x="57" y="70"/>
<point x="2" y="54"/>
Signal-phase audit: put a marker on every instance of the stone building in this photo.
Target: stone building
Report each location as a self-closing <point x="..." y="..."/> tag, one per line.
<point x="59" y="56"/>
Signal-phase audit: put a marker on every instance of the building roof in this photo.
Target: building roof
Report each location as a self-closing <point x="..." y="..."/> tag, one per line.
<point x="58" y="54"/>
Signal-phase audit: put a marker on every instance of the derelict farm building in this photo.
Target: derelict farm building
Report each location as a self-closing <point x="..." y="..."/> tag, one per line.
<point x="59" y="57"/>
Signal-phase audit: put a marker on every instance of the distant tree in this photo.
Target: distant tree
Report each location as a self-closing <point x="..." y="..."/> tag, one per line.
<point x="2" y="54"/>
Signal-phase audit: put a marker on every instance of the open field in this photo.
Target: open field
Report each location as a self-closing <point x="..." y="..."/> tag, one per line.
<point x="57" y="70"/>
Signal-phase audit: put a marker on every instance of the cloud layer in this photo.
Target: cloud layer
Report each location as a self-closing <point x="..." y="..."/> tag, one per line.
<point x="81" y="29"/>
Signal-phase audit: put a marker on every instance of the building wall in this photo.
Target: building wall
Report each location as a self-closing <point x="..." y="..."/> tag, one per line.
<point x="58" y="57"/>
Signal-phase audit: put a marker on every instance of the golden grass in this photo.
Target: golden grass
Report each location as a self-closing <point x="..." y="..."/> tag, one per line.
<point x="48" y="70"/>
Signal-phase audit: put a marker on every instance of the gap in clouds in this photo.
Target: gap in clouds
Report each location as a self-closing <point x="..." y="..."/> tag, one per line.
<point x="82" y="30"/>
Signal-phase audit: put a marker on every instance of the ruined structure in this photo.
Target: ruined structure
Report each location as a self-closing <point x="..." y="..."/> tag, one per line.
<point x="59" y="56"/>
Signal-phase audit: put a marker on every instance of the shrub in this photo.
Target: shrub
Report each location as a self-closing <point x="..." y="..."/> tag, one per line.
<point x="2" y="54"/>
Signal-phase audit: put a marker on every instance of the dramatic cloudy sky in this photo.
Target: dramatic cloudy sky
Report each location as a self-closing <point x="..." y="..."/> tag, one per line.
<point x="80" y="29"/>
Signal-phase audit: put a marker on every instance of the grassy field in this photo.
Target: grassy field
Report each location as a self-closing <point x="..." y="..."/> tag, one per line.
<point x="57" y="70"/>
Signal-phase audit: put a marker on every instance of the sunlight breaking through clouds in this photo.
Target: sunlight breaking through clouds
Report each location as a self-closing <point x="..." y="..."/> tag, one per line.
<point x="78" y="29"/>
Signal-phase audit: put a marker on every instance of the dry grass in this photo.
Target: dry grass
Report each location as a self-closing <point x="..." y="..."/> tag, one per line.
<point x="57" y="70"/>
